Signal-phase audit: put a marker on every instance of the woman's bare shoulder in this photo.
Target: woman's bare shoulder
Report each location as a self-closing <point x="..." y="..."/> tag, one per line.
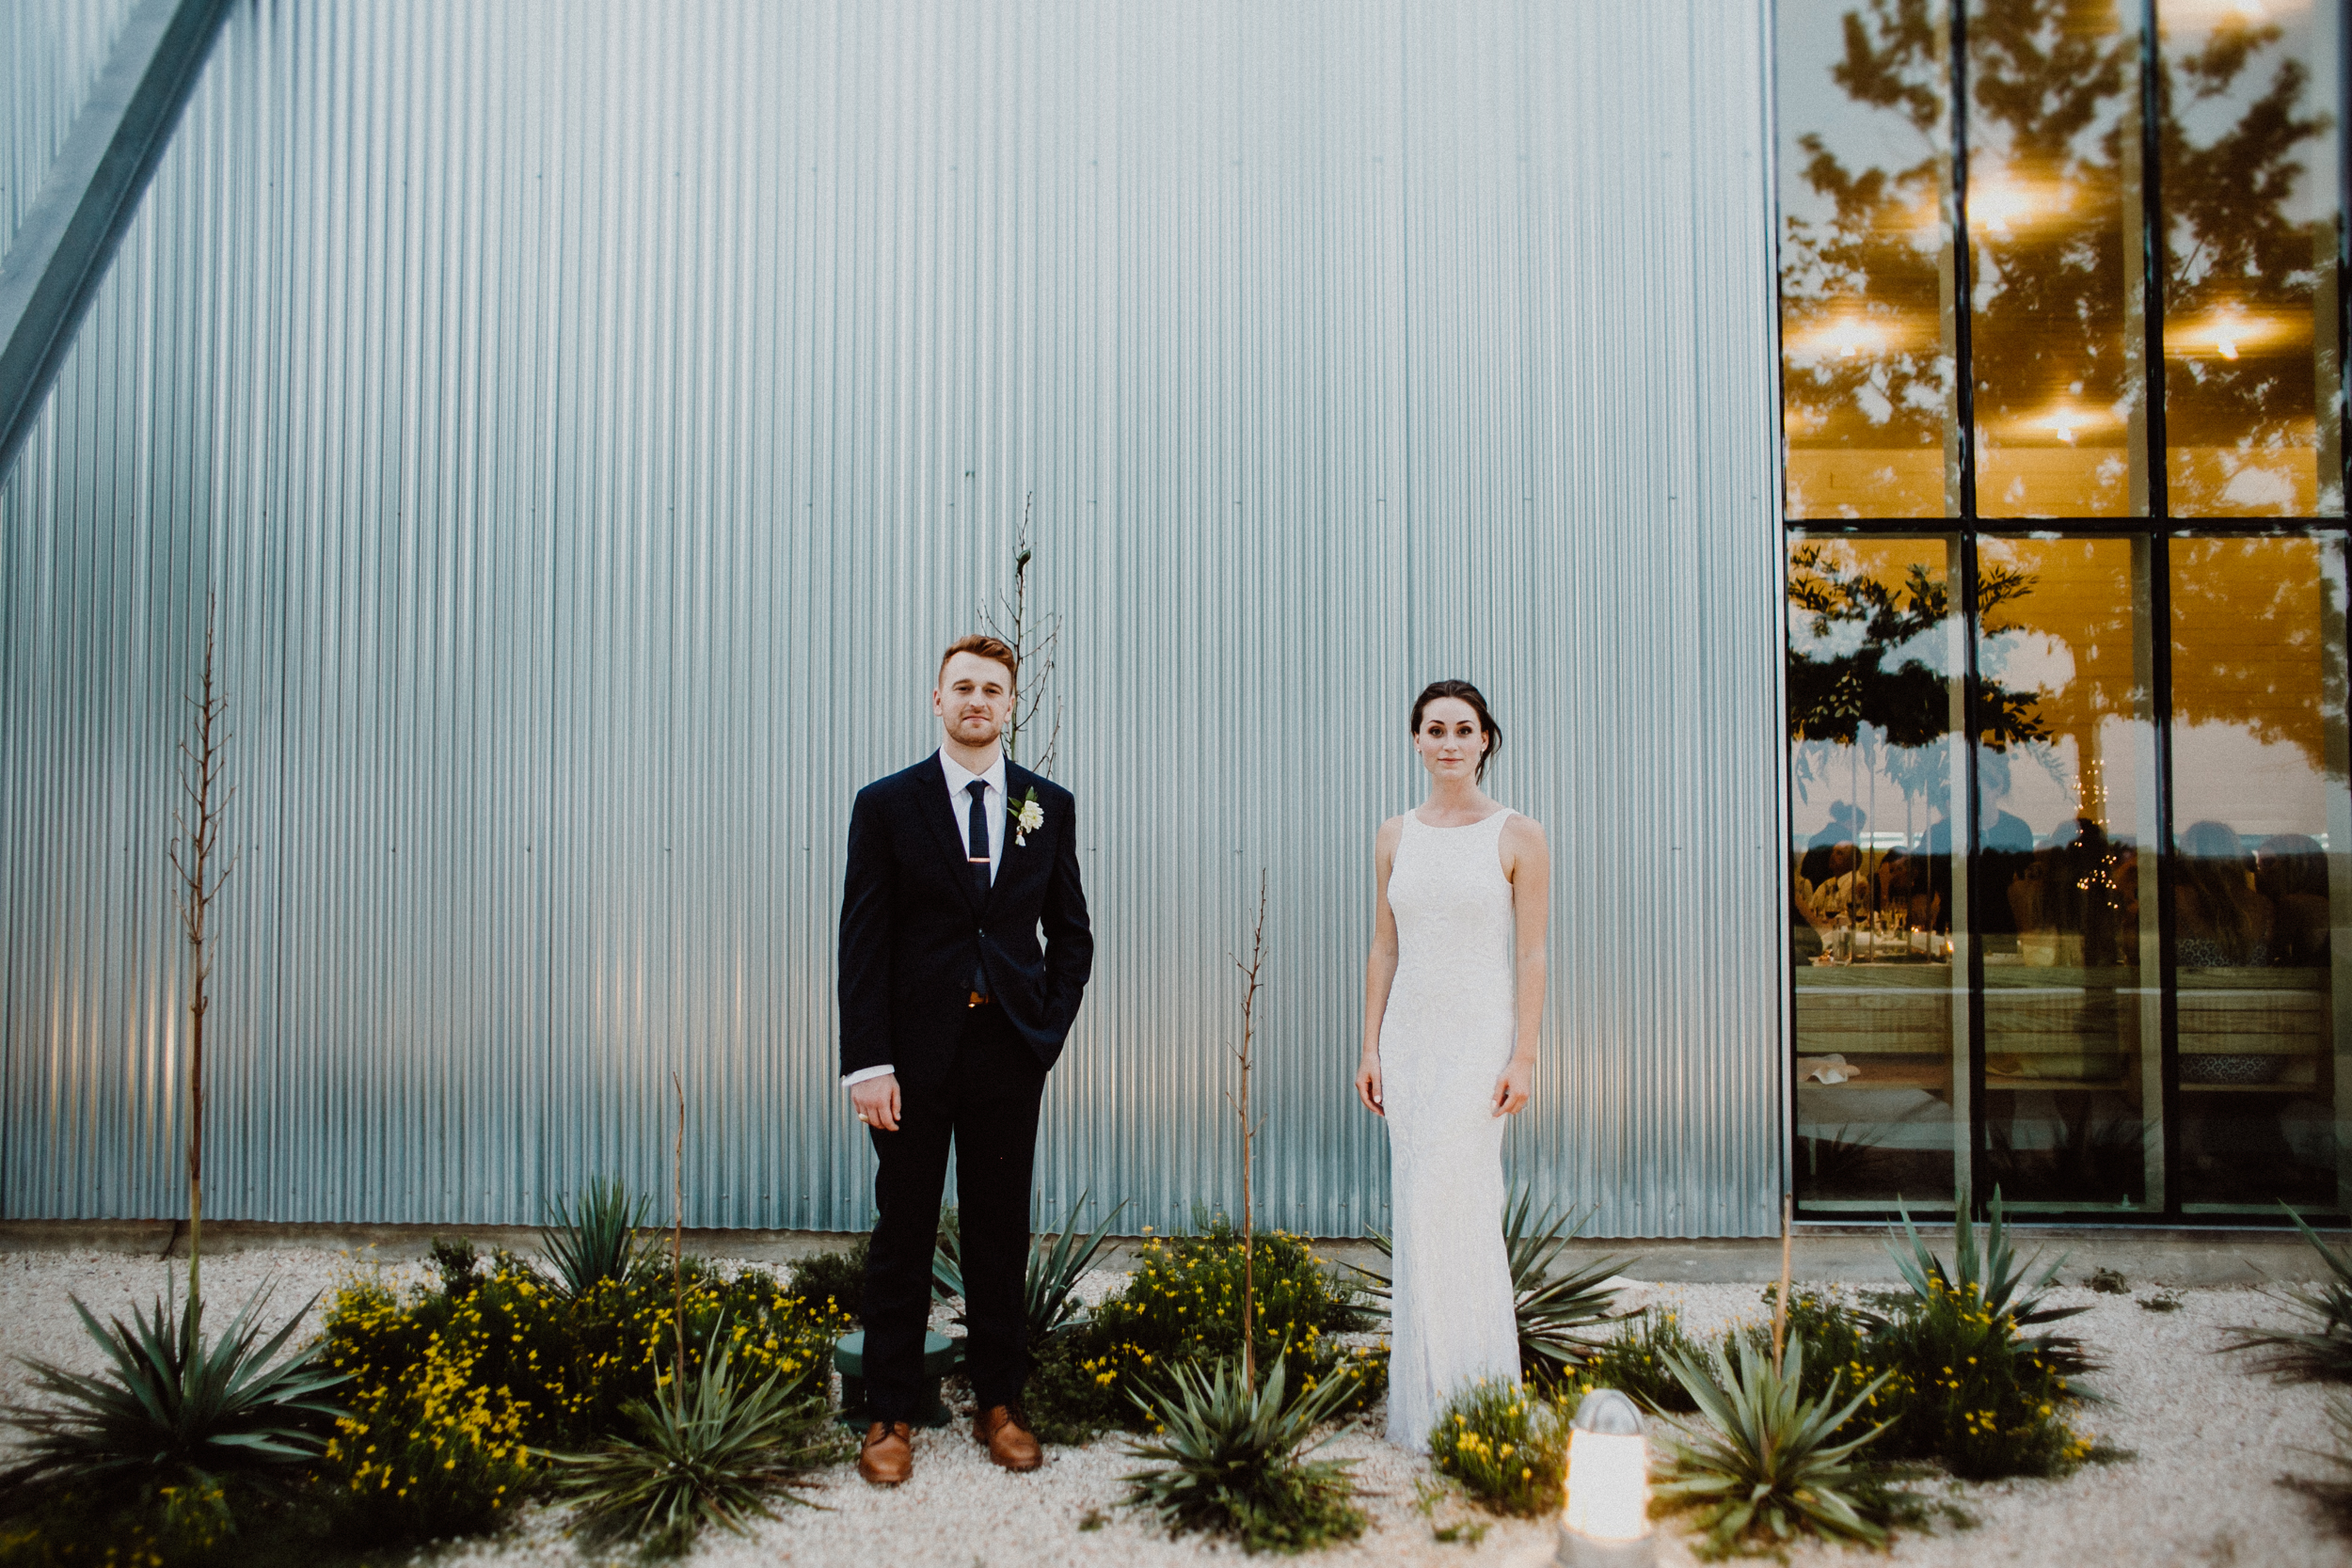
<point x="1390" y="831"/>
<point x="1521" y="832"/>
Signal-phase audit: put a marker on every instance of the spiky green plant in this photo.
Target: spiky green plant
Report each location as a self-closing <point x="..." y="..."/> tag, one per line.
<point x="707" y="1450"/>
<point x="1761" y="1468"/>
<point x="175" y="1408"/>
<point x="1989" y="1276"/>
<point x="1556" y="1312"/>
<point x="1228" y="1460"/>
<point x="2320" y="1347"/>
<point x="598" y="1242"/>
<point x="1049" y="1293"/>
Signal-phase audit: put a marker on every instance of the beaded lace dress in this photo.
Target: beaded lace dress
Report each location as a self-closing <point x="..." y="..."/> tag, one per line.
<point x="1445" y="1038"/>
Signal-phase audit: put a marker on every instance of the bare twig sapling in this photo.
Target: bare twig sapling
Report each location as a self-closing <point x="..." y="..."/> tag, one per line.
<point x="1035" y="645"/>
<point x="196" y="864"/>
<point x="1249" y="975"/>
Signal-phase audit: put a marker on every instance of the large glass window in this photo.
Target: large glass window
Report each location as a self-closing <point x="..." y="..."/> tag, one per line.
<point x="2069" y="819"/>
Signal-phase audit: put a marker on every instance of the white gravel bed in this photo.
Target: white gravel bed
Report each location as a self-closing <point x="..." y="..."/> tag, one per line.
<point x="2211" y="1441"/>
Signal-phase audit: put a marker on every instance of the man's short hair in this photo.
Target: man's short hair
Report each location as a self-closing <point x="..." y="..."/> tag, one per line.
<point x="986" y="647"/>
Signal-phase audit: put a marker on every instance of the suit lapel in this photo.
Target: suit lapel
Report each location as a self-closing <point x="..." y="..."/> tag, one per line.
<point x="1016" y="857"/>
<point x="942" y="816"/>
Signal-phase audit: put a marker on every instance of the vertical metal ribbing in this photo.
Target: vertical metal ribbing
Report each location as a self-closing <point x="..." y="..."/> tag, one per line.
<point x="596" y="457"/>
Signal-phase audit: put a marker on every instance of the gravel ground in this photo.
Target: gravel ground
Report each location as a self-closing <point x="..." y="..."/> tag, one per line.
<point x="2212" y="1446"/>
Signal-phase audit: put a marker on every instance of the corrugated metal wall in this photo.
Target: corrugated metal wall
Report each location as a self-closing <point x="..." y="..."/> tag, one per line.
<point x="51" y="52"/>
<point x="592" y="426"/>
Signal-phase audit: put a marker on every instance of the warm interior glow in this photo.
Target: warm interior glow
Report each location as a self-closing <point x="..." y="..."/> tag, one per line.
<point x="2000" y="204"/>
<point x="1608" y="1486"/>
<point x="2199" y="15"/>
<point x="2233" y="330"/>
<point x="2064" y="420"/>
<point x="1850" y="333"/>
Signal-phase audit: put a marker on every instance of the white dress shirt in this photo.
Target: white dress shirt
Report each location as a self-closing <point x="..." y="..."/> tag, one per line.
<point x="960" y="804"/>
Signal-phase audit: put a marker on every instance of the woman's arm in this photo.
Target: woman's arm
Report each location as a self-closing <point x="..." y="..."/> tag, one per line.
<point x="1527" y="860"/>
<point x="1379" y="967"/>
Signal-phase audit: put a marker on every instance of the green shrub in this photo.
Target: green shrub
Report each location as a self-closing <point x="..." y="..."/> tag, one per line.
<point x="1965" y="1387"/>
<point x="194" y="1525"/>
<point x="1228" y="1460"/>
<point x="711" y="1447"/>
<point x="836" y="1277"/>
<point x="599" y="1243"/>
<point x="1508" y="1447"/>
<point x="450" y="1394"/>
<point x="161" y="1457"/>
<point x="1635" y="1359"/>
<point x="2319" y="1346"/>
<point x="1765" y="1463"/>
<point x="1180" y="1306"/>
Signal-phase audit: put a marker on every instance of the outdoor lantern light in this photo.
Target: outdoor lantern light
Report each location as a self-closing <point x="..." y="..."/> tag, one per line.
<point x="1606" y="1523"/>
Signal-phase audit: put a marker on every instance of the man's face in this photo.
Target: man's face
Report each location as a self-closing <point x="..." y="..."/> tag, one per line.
<point x="973" y="699"/>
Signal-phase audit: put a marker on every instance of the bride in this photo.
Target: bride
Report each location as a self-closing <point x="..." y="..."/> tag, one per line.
<point x="1453" y="993"/>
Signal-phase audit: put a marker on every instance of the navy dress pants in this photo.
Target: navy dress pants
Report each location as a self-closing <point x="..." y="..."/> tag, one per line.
<point x="986" y="1106"/>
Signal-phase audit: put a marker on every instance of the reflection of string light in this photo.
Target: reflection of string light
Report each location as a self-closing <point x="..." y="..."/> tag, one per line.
<point x="1850" y="333"/>
<point x="2231" y="329"/>
<point x="2067" y="421"/>
<point x="2004" y="202"/>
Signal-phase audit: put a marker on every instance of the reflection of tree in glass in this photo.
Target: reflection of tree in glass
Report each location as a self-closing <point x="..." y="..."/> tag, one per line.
<point x="2049" y="81"/>
<point x="1864" y="286"/>
<point x="1857" y="697"/>
<point x="2259" y="679"/>
<point x="2231" y="251"/>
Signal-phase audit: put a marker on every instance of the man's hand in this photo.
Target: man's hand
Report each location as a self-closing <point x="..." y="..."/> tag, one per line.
<point x="875" y="1101"/>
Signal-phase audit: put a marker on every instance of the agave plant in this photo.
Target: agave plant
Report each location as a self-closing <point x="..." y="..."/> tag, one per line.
<point x="2322" y="1346"/>
<point x="707" y="1450"/>
<point x="174" y="1408"/>
<point x="1991" y="1277"/>
<point x="1049" y="1293"/>
<point x="600" y="1242"/>
<point x="1556" y="1312"/>
<point x="1762" y="1468"/>
<point x="1228" y="1460"/>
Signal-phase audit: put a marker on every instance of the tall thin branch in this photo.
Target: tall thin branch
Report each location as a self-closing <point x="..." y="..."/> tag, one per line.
<point x="677" y="1234"/>
<point x="1250" y="974"/>
<point x="1035" y="646"/>
<point x="195" y="856"/>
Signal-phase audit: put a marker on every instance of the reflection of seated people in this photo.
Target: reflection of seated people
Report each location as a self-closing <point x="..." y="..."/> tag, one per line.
<point x="2291" y="870"/>
<point x="2219" y="920"/>
<point x="1843" y="832"/>
<point x="1902" y="888"/>
<point x="1837" y="892"/>
<point x="2066" y="901"/>
<point x="2004" y="843"/>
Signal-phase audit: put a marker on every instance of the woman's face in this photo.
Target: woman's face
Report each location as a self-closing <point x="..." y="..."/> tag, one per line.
<point x="1450" y="739"/>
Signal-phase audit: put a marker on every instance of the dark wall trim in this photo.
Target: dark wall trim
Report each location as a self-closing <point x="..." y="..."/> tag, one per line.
<point x="68" y="236"/>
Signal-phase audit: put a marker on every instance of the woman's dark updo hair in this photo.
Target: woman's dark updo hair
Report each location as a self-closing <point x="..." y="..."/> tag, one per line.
<point x="1464" y="691"/>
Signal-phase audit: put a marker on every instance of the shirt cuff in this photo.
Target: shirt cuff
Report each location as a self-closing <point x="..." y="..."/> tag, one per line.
<point x="862" y="1074"/>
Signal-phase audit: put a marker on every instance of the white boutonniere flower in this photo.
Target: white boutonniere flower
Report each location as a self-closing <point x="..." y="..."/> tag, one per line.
<point x="1027" y="817"/>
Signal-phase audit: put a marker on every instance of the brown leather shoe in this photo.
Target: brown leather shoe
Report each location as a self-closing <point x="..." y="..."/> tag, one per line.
<point x="1010" y="1443"/>
<point x="887" y="1455"/>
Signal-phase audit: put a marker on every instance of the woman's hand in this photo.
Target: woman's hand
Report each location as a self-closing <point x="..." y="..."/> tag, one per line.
<point x="1514" y="1088"/>
<point x="1368" y="1085"/>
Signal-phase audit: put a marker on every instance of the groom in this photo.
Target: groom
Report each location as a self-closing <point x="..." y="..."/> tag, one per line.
<point x="950" y="1016"/>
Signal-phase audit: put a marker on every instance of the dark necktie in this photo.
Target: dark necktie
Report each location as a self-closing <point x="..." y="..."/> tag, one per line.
<point x="978" y="789"/>
<point x="978" y="838"/>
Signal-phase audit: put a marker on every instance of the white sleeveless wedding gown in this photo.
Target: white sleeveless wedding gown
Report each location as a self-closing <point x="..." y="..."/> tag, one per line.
<point x="1445" y="1038"/>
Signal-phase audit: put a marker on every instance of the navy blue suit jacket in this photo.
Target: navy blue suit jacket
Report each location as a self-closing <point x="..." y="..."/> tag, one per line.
<point x="912" y="925"/>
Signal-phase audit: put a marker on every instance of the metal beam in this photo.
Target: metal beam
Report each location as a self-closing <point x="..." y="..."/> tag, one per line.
<point x="69" y="234"/>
